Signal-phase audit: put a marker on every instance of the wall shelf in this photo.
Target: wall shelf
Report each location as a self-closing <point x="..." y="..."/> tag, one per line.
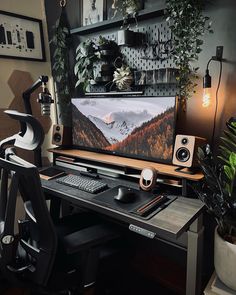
<point x="108" y="24"/>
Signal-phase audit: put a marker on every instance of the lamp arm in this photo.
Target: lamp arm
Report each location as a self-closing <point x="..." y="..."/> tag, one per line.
<point x="26" y="94"/>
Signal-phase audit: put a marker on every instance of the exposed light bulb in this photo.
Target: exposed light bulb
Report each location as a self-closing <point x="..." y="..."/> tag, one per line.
<point x="206" y="99"/>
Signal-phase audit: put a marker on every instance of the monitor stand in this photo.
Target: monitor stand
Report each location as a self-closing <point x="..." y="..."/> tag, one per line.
<point x="190" y="171"/>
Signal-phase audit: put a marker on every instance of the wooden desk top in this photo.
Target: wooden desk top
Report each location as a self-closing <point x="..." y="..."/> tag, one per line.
<point x="171" y="222"/>
<point x="123" y="162"/>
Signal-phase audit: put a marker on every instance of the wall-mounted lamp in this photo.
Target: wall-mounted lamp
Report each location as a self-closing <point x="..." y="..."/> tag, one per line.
<point x="206" y="99"/>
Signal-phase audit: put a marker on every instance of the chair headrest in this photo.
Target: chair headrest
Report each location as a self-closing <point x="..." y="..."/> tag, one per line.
<point x="31" y="135"/>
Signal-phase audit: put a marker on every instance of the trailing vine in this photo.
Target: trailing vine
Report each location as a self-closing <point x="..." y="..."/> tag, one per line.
<point x="60" y="64"/>
<point x="188" y="25"/>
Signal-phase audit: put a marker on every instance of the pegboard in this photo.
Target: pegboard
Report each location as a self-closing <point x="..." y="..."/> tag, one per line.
<point x="132" y="56"/>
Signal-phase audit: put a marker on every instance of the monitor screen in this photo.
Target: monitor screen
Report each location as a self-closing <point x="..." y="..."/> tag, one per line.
<point x="137" y="127"/>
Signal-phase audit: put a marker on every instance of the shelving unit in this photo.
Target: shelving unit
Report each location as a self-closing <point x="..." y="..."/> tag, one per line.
<point x="133" y="55"/>
<point x="108" y="24"/>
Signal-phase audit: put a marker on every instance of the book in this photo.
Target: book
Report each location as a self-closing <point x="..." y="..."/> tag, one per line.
<point x="50" y="173"/>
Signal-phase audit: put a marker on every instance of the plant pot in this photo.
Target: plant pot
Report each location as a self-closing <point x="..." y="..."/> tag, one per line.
<point x="225" y="261"/>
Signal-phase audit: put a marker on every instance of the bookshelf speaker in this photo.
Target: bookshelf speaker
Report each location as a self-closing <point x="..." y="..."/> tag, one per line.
<point x="185" y="150"/>
<point x="61" y="135"/>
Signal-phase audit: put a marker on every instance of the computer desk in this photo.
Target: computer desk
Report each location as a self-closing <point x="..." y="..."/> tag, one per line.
<point x="180" y="224"/>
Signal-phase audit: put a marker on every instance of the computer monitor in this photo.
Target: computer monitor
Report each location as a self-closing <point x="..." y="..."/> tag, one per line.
<point x="137" y="127"/>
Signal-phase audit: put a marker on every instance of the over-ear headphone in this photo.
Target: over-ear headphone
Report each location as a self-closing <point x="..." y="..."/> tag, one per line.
<point x="148" y="178"/>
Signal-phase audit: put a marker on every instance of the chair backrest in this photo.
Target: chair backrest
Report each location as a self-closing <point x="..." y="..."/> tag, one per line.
<point x="29" y="254"/>
<point x="31" y="133"/>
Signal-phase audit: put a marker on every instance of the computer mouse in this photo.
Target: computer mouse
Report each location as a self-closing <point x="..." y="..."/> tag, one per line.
<point x="125" y="195"/>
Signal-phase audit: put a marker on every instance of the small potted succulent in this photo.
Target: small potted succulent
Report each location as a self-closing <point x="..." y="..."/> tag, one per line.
<point x="217" y="192"/>
<point x="123" y="75"/>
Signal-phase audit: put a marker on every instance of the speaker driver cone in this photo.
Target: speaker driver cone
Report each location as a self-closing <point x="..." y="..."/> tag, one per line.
<point x="57" y="137"/>
<point x="182" y="154"/>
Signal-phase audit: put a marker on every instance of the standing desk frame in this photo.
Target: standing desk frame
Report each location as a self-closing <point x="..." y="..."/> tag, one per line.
<point x="183" y="217"/>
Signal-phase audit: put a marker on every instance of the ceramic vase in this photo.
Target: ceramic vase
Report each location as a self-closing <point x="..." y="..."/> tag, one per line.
<point x="225" y="261"/>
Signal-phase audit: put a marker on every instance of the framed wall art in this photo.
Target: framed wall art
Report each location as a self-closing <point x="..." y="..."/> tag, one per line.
<point x="21" y="37"/>
<point x="92" y="11"/>
<point x="114" y="9"/>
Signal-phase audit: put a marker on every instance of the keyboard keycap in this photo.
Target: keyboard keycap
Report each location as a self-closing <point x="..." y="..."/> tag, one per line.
<point x="83" y="183"/>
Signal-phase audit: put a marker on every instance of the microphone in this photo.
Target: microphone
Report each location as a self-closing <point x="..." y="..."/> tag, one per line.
<point x="45" y="99"/>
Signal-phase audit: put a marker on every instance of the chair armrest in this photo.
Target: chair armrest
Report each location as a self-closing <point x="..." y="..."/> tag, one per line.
<point x="88" y="237"/>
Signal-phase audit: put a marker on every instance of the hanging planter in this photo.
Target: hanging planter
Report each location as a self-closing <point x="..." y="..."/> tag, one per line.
<point x="61" y="66"/>
<point x="188" y="26"/>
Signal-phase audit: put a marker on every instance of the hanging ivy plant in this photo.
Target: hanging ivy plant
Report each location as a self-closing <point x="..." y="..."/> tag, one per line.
<point x="188" y="25"/>
<point x="61" y="67"/>
<point x="60" y="58"/>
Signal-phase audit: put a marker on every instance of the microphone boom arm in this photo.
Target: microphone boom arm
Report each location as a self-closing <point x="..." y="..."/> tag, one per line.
<point x="27" y="94"/>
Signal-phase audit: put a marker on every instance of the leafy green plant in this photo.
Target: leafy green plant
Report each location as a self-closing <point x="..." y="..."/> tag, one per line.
<point x="61" y="66"/>
<point x="104" y="42"/>
<point x="130" y="9"/>
<point x="60" y="55"/>
<point x="228" y="155"/>
<point x="87" y="55"/>
<point x="188" y="25"/>
<point x="217" y="188"/>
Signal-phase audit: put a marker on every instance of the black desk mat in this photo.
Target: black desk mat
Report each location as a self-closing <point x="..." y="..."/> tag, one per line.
<point x="107" y="199"/>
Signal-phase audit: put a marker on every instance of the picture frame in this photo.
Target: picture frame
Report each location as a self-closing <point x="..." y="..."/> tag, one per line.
<point x="113" y="9"/>
<point x="21" y="37"/>
<point x="93" y="11"/>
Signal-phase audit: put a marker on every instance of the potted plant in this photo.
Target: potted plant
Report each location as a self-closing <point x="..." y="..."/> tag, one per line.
<point x="123" y="78"/>
<point x="188" y="25"/>
<point x="130" y="8"/>
<point x="87" y="55"/>
<point x="218" y="194"/>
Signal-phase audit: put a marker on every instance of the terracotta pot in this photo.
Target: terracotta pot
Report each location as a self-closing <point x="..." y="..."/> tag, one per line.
<point x="225" y="261"/>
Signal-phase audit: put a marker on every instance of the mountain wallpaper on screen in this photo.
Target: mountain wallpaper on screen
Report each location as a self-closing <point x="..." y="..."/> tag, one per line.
<point x="85" y="133"/>
<point x="153" y="139"/>
<point x="130" y="132"/>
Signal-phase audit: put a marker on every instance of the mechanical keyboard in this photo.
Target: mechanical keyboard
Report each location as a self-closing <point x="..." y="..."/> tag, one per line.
<point x="83" y="183"/>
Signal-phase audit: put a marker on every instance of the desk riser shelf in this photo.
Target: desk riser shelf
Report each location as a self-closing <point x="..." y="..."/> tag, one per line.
<point x="125" y="163"/>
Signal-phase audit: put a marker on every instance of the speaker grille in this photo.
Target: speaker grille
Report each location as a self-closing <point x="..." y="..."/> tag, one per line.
<point x="57" y="137"/>
<point x="183" y="154"/>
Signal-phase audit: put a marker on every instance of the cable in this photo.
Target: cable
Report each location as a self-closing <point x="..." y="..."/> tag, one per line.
<point x="216" y="107"/>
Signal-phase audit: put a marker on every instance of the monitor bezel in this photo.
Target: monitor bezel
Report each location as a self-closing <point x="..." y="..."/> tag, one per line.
<point x="113" y="153"/>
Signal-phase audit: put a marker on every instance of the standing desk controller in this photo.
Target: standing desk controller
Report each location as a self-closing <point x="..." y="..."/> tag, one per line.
<point x="142" y="231"/>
